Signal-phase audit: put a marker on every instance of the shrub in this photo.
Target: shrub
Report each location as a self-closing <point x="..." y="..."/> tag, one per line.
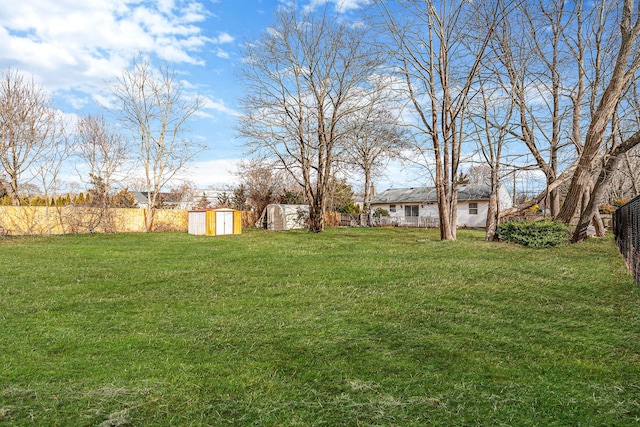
<point x="620" y="202"/>
<point x="543" y="233"/>
<point x="534" y="209"/>
<point x="607" y="208"/>
<point x="379" y="213"/>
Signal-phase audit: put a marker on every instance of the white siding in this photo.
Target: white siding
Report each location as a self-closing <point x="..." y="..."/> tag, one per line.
<point x="505" y="199"/>
<point x="429" y="213"/>
<point x="198" y="223"/>
<point x="479" y="220"/>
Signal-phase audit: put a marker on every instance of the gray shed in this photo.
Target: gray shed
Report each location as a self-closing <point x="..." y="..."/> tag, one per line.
<point x="278" y="217"/>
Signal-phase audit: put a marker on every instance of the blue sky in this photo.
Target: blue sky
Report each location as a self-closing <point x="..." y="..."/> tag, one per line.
<point x="74" y="47"/>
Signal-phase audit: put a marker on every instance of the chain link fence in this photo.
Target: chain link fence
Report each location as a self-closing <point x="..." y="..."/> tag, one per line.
<point x="626" y="228"/>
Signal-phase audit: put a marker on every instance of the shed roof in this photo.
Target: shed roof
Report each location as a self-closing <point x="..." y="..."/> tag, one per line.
<point x="428" y="194"/>
<point x="213" y="209"/>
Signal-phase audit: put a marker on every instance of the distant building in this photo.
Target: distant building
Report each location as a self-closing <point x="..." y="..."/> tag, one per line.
<point x="174" y="200"/>
<point x="418" y="206"/>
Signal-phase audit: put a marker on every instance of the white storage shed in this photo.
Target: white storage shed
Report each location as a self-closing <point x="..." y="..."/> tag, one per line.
<point x="215" y="222"/>
<point x="278" y="217"/>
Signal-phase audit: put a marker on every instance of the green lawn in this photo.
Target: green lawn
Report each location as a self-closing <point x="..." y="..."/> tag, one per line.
<point x="351" y="327"/>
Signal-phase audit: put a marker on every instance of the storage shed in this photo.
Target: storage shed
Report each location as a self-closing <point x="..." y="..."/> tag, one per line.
<point x="278" y="217"/>
<point x="215" y="222"/>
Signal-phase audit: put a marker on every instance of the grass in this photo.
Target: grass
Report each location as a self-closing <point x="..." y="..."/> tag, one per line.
<point x="351" y="327"/>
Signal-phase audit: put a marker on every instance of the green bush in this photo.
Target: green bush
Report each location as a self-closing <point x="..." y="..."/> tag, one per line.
<point x="543" y="233"/>
<point x="379" y="213"/>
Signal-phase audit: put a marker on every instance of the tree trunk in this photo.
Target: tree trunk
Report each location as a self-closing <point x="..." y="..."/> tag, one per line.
<point x="493" y="212"/>
<point x="580" y="180"/>
<point x="444" y="211"/>
<point x="149" y="216"/>
<point x="601" y="184"/>
<point x="633" y="177"/>
<point x="13" y="188"/>
<point x="316" y="218"/>
<point x="492" y="217"/>
<point x="367" y="192"/>
<point x="580" y="232"/>
<point x="453" y="211"/>
<point x="553" y="203"/>
<point x="598" y="223"/>
<point x="622" y="72"/>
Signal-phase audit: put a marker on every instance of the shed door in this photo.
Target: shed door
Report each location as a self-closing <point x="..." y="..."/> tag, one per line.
<point x="224" y="223"/>
<point x="275" y="216"/>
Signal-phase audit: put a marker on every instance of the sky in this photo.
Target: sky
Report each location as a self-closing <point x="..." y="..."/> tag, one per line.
<point x="75" y="48"/>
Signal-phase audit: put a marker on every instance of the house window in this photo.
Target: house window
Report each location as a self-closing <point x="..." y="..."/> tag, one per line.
<point x="411" y="211"/>
<point x="392" y="208"/>
<point x="473" y="208"/>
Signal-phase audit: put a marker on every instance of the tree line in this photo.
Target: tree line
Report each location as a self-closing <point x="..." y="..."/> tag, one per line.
<point x="35" y="140"/>
<point x="517" y="85"/>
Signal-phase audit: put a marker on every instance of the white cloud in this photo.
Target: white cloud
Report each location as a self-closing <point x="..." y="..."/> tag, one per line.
<point x="341" y="6"/>
<point x="222" y="54"/>
<point x="216" y="105"/>
<point x="73" y="41"/>
<point x="224" y="38"/>
<point x="220" y="172"/>
<point x="76" y="101"/>
<point x="347" y="5"/>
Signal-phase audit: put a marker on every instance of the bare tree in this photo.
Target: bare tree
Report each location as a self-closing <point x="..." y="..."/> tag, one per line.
<point x="626" y="66"/>
<point x="532" y="65"/>
<point x="439" y="65"/>
<point x="304" y="78"/>
<point x="152" y="105"/>
<point x="626" y="179"/>
<point x="136" y="184"/>
<point x="47" y="166"/>
<point x="262" y="182"/>
<point x="622" y="141"/>
<point x="3" y="188"/>
<point x="491" y="119"/>
<point x="579" y="61"/>
<point x="183" y="195"/>
<point x="376" y="136"/>
<point x="480" y="174"/>
<point x="103" y="153"/>
<point x="625" y="182"/>
<point x="30" y="128"/>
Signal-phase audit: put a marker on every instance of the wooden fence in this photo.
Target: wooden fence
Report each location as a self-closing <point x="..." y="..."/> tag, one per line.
<point x="37" y="220"/>
<point x="41" y="220"/>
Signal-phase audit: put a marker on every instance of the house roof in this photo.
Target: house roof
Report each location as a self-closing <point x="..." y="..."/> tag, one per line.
<point x="167" y="197"/>
<point x="139" y="196"/>
<point x="428" y="194"/>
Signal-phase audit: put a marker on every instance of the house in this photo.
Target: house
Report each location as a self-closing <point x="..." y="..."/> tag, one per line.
<point x="176" y="200"/>
<point x="418" y="207"/>
<point x="166" y="200"/>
